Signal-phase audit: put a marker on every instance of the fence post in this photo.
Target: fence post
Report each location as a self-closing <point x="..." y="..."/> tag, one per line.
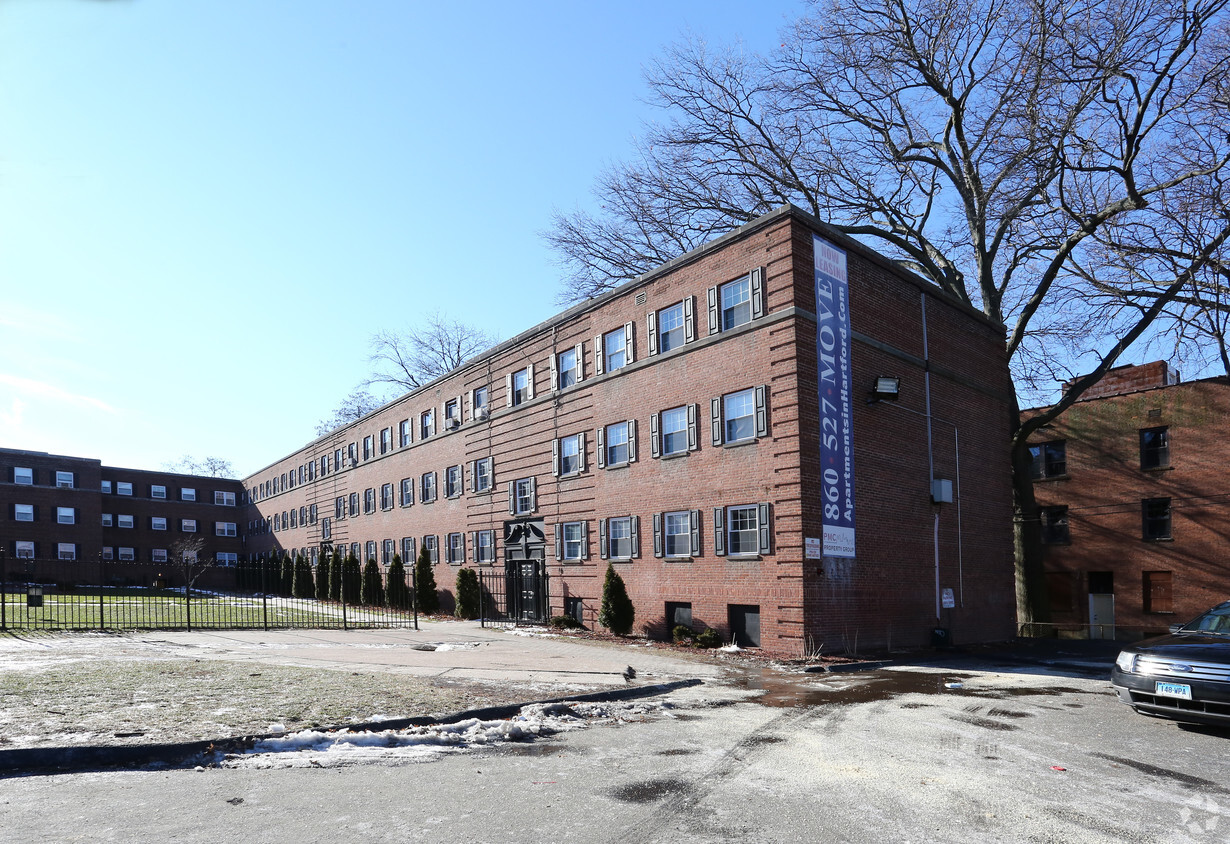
<point x="102" y="580"/>
<point x="4" y="593"/>
<point x="414" y="594"/>
<point x="188" y="593"/>
<point x="342" y="595"/>
<point x="264" y="596"/>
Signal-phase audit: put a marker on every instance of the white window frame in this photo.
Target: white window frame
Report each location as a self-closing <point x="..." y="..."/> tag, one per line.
<point x="427" y="487"/>
<point x="481" y="475"/>
<point x="615" y="350"/>
<point x="158" y="555"/>
<point x="226" y="529"/>
<point x="66" y="551"/>
<point x="454" y="481"/>
<point x="126" y="554"/>
<point x="521" y="386"/>
<point x="157" y="491"/>
<point x="625" y="437"/>
<point x="108" y="553"/>
<point x="187" y="493"/>
<point x="455" y="548"/>
<point x="523" y="495"/>
<point x="407" y="492"/>
<point x="24" y="549"/>
<point x="23" y="475"/>
<point x="666" y="339"/>
<point x="627" y="529"/>
<point x="480" y="403"/>
<point x="157" y="522"/>
<point x="568" y="455"/>
<point x="405" y="433"/>
<point x="742" y="530"/>
<point x="484" y="547"/>
<point x="432" y="544"/>
<point x="64" y="480"/>
<point x="688" y="431"/>
<point x="187" y="525"/>
<point x="123" y="488"/>
<point x="105" y="487"/>
<point x="228" y="559"/>
<point x="18" y="512"/>
<point x="427" y="423"/>
<point x="572" y="541"/>
<point x="386" y="496"/>
<point x="224" y="499"/>
<point x="722" y="419"/>
<point x="124" y="521"/>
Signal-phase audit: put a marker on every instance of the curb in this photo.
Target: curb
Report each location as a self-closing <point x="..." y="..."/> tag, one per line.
<point x="92" y="758"/>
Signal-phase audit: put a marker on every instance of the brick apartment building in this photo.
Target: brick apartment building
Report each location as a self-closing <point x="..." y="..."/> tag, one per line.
<point x="60" y="508"/>
<point x="1130" y="482"/>
<point x="705" y="428"/>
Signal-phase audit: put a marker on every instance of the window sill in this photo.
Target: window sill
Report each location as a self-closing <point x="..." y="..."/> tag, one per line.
<point x="1165" y="468"/>
<point x="1062" y="477"/>
<point x="744" y="557"/>
<point x="678" y="559"/>
<point x="675" y="454"/>
<point x="1157" y="539"/>
<point x="624" y="465"/>
<point x="740" y="443"/>
<point x="619" y="559"/>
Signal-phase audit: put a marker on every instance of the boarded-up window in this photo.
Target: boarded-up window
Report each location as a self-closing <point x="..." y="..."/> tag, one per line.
<point x="1158" y="591"/>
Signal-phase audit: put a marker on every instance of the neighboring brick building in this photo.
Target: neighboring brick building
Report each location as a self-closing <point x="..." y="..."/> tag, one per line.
<point x="676" y="426"/>
<point x="1130" y="482"/>
<point x="59" y="508"/>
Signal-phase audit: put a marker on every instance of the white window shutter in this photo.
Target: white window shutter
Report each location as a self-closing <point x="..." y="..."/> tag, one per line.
<point x="555" y="457"/>
<point x="585" y="540"/>
<point x="533" y="494"/>
<point x="508" y="389"/>
<point x="529" y="381"/>
<point x="689" y="319"/>
<point x="636" y="536"/>
<point x="599" y="353"/>
<point x="657" y="534"/>
<point x="554" y="372"/>
<point x="655" y="449"/>
<point x="651" y="320"/>
<point x="715" y="418"/>
<point x="580" y="352"/>
<point x="559" y="541"/>
<point x="630" y="342"/>
<point x="757" y="293"/>
<point x="631" y="440"/>
<point x="581" y="451"/>
<point x="601" y="449"/>
<point x="603" y="547"/>
<point x="714" y="324"/>
<point x="512" y="498"/>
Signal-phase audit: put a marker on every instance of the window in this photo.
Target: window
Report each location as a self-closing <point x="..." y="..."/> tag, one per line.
<point x="674" y="431"/>
<point x="427" y="424"/>
<point x="481" y="474"/>
<point x="352" y="454"/>
<point x="677" y="534"/>
<point x="123" y="488"/>
<point x="24" y="550"/>
<point x="479" y="403"/>
<point x="353" y="508"/>
<point x="740" y="417"/>
<point x="229" y="558"/>
<point x="159" y="555"/>
<point x="571" y="541"/>
<point x="1155" y="518"/>
<point x="294" y="518"/>
<point x="1054" y="525"/>
<point x="326" y="529"/>
<point x="158" y="491"/>
<point x="226" y="529"/>
<point x="456" y="549"/>
<point x="617" y="444"/>
<point x="520" y="386"/>
<point x="452" y="412"/>
<point x="312" y="513"/>
<point x="404" y="437"/>
<point x="616" y="346"/>
<point x="127" y="554"/>
<point x="124" y="521"/>
<point x="158" y="522"/>
<point x="566" y="371"/>
<point x="1049" y="460"/>
<point x="741" y="530"/>
<point x="185" y="494"/>
<point x="339" y="507"/>
<point x="386" y="551"/>
<point x="107" y="520"/>
<point x="185" y="525"/>
<point x="678" y="613"/>
<point x="736" y="303"/>
<point x="369" y="447"/>
<point x="433" y="552"/>
<point x="568" y="457"/>
<point x="66" y="551"/>
<point x="25" y="513"/>
<point x="484" y="546"/>
<point x="408" y="554"/>
<point x="671" y="327"/>
<point x="386" y="497"/>
<point x="108" y="553"/>
<point x="522" y="496"/>
<point x="617" y="538"/>
<point x="427" y="488"/>
<point x="386" y="440"/>
<point x="1158" y="591"/>
<point x="407" y="492"/>
<point x="225" y="499"/>
<point x="64" y="480"/>
<point x="338" y="458"/>
<point x="453" y="481"/>
<point x="23" y="476"/>
<point x="369" y="551"/>
<point x="1154" y="448"/>
<point x="369" y="500"/>
<point x="106" y="487"/>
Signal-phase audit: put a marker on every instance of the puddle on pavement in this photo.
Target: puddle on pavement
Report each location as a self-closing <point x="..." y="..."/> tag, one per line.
<point x="790" y="690"/>
<point x="678" y="751"/>
<point x="651" y="790"/>
<point x="531" y="749"/>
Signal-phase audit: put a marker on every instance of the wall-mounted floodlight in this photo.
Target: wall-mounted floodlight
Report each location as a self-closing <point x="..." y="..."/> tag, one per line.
<point x="887" y="387"/>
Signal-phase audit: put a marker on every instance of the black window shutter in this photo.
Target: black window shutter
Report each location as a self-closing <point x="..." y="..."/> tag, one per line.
<point x="555" y="457"/>
<point x="719" y="536"/>
<point x="652" y="320"/>
<point x="694" y="518"/>
<point x="766" y="528"/>
<point x="655" y="449"/>
<point x="689" y="320"/>
<point x="657" y="534"/>
<point x="757" y="293"/>
<point x="636" y="536"/>
<point x="533" y="494"/>
<point x="693" y="440"/>
<point x="762" y="411"/>
<point x="715" y="418"/>
<point x="714" y="325"/>
<point x="631" y="440"/>
<point x="601" y="449"/>
<point x="585" y="539"/>
<point x="602" y="541"/>
<point x="559" y="541"/>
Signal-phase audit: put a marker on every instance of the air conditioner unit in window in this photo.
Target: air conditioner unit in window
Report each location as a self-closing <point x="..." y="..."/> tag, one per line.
<point x="483" y="413"/>
<point x="452" y="423"/>
<point x="354" y="461"/>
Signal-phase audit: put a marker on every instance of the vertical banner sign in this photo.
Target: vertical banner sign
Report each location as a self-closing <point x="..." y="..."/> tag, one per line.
<point x="836" y="414"/>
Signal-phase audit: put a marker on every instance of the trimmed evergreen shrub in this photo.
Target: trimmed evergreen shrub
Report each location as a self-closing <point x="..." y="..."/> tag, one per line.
<point x="304" y="586"/>
<point x="352" y="580"/>
<point x="616" y="613"/>
<point x="683" y="635"/>
<point x="287" y="580"/>
<point x="322" y="577"/>
<point x="467" y="593"/>
<point x="372" y="593"/>
<point x="425" y="587"/>
<point x="335" y="574"/>
<point x="709" y="638"/>
<point x="397" y="593"/>
<point x="565" y="622"/>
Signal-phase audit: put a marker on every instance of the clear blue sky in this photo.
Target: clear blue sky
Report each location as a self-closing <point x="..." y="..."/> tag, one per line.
<point x="208" y="206"/>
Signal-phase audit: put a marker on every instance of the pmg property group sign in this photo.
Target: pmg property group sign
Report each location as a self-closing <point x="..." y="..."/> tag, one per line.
<point x="836" y="413"/>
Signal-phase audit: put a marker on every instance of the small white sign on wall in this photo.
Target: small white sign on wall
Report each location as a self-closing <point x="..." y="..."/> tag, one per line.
<point x="813" y="549"/>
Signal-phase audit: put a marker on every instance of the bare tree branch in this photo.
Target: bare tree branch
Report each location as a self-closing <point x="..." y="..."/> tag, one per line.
<point x="412" y="358"/>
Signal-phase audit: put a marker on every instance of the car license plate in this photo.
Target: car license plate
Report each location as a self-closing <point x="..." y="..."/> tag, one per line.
<point x="1178" y="690"/>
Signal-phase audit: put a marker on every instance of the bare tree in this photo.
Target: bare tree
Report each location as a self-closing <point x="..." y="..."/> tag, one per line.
<point x="411" y="358"/>
<point x="210" y="467"/>
<point x="1013" y="153"/>
<point x="355" y="406"/>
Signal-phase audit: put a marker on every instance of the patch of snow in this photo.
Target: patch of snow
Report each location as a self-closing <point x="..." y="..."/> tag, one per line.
<point x="730" y="649"/>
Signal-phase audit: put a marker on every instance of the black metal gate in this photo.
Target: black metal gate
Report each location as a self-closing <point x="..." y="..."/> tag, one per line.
<point x="517" y="595"/>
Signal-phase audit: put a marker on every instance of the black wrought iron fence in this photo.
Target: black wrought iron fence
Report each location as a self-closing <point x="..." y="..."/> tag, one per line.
<point x="514" y="596"/>
<point x="119" y="595"/>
